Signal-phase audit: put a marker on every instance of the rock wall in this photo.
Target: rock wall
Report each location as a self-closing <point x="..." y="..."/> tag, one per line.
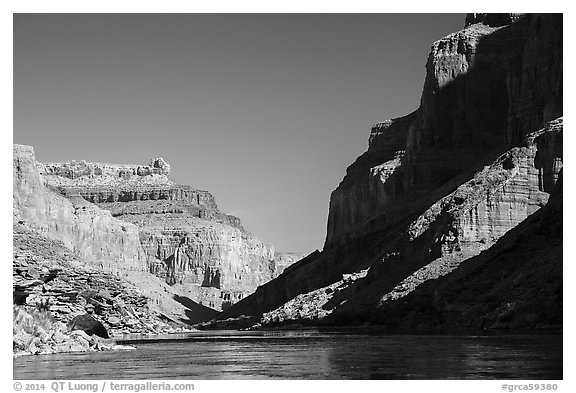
<point x="444" y="183"/>
<point x="549" y="157"/>
<point x="50" y="278"/>
<point x="283" y="260"/>
<point x="534" y="80"/>
<point x="483" y="92"/>
<point x="211" y="262"/>
<point x="516" y="284"/>
<point x="92" y="232"/>
<point x="494" y="20"/>
<point x="101" y="183"/>
<point x="486" y="88"/>
<point x="74" y="169"/>
<point x="205" y="255"/>
<point x="192" y="252"/>
<point x="374" y="180"/>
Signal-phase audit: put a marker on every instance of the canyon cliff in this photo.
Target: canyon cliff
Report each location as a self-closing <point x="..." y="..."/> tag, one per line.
<point x="202" y="253"/>
<point x="127" y="244"/>
<point x="440" y="187"/>
<point x="66" y="240"/>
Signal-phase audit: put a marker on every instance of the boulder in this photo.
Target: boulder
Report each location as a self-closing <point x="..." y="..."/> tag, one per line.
<point x="114" y="320"/>
<point x="89" y="325"/>
<point x="58" y="337"/>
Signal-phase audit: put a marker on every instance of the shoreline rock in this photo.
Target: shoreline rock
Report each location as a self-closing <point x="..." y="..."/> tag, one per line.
<point x="37" y="333"/>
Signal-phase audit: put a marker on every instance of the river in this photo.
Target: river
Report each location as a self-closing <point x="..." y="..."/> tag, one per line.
<point x="310" y="354"/>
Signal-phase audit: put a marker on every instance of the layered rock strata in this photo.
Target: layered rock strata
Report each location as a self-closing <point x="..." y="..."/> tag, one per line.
<point x="206" y="256"/>
<point x="443" y="184"/>
<point x="125" y="244"/>
<point x="516" y="284"/>
<point x="51" y="278"/>
<point x="98" y="237"/>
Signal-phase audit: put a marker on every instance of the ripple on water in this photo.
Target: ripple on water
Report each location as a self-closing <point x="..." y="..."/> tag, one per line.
<point x="310" y="355"/>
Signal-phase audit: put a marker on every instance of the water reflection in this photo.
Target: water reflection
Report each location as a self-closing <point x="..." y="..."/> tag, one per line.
<point x="311" y="355"/>
<point x="442" y="357"/>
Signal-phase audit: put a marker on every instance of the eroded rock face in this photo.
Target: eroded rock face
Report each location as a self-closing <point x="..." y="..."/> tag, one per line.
<point x="444" y="183"/>
<point x="282" y="260"/>
<point x="50" y="279"/>
<point x="457" y="227"/>
<point x="477" y="98"/>
<point x="516" y="284"/>
<point x="486" y="88"/>
<point x="75" y="170"/>
<point x="205" y="255"/>
<point x="549" y="157"/>
<point x="493" y="20"/>
<point x="100" y="183"/>
<point x="535" y="78"/>
<point x="187" y="258"/>
<point x="212" y="263"/>
<point x="374" y="180"/>
<point x="106" y="241"/>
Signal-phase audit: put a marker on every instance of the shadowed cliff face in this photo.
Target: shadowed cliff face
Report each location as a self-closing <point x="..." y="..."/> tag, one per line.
<point x="457" y="228"/>
<point x="515" y="284"/>
<point x="485" y="89"/>
<point x="444" y="183"/>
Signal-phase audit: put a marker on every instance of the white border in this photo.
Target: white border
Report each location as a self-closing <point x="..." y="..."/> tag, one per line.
<point x="298" y="6"/>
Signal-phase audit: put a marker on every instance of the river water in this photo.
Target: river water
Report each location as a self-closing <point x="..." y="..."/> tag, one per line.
<point x="310" y="355"/>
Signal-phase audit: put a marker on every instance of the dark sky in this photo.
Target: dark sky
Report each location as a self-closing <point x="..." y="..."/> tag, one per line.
<point x="265" y="111"/>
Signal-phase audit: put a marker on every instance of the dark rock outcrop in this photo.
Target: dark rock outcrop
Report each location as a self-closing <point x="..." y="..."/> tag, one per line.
<point x="516" y="284"/>
<point x="88" y="325"/>
<point x="443" y="184"/>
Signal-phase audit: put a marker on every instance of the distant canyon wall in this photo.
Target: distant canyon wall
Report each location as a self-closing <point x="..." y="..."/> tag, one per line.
<point x="126" y="217"/>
